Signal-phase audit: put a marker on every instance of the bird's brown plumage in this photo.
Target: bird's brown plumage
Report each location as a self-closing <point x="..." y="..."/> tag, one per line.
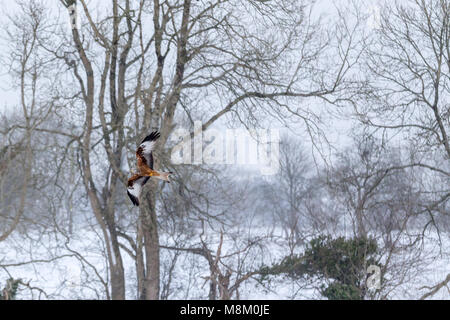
<point x="144" y="156"/>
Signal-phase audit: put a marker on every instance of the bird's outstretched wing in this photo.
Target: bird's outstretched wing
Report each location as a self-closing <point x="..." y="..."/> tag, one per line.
<point x="144" y="152"/>
<point x="135" y="185"/>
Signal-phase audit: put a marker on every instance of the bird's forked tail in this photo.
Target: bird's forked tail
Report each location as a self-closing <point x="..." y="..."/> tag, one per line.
<point x="163" y="176"/>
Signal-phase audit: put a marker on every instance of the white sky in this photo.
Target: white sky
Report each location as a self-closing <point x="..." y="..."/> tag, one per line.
<point x="337" y="131"/>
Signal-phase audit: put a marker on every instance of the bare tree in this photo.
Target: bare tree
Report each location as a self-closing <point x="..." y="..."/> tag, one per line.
<point x="383" y="199"/>
<point x="119" y="64"/>
<point x="24" y="153"/>
<point x="407" y="63"/>
<point x="95" y="81"/>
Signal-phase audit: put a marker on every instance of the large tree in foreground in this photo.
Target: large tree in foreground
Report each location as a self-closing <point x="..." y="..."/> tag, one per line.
<point x="124" y="68"/>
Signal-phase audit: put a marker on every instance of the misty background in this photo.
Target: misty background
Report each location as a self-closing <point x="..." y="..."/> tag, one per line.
<point x="359" y="92"/>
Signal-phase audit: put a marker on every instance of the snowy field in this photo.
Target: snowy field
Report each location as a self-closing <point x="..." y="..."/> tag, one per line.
<point x="59" y="274"/>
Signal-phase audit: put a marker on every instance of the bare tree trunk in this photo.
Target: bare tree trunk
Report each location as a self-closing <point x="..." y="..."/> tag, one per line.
<point x="117" y="271"/>
<point x="151" y="286"/>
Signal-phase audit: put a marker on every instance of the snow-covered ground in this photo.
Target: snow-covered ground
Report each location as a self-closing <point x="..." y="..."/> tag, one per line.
<point x="60" y="274"/>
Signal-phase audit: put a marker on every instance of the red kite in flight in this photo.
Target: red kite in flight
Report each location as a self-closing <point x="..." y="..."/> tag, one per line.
<point x="145" y="165"/>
